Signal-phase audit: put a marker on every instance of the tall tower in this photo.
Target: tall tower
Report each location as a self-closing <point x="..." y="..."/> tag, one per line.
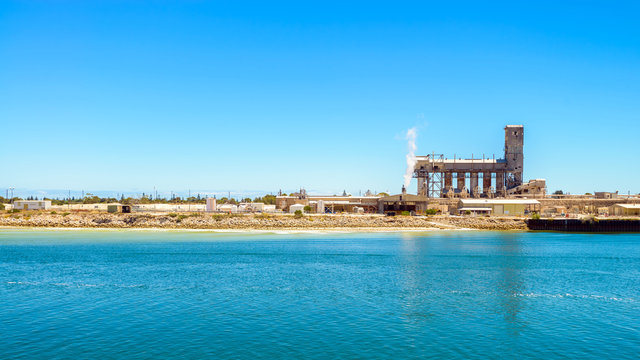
<point x="513" y="154"/>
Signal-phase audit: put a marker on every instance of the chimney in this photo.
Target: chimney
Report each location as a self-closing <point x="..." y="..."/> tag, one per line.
<point x="404" y="190"/>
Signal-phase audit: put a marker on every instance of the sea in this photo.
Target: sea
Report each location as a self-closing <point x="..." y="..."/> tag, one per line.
<point x="145" y="294"/>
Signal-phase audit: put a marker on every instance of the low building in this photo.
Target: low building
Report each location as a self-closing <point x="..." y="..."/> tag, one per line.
<point x="228" y="208"/>
<point x="329" y="203"/>
<point x="295" y="207"/>
<point x="605" y="195"/>
<point x="512" y="207"/>
<point x="32" y="204"/>
<point x="399" y="203"/>
<point x="117" y="208"/>
<point x="251" y="207"/>
<point x="625" y="210"/>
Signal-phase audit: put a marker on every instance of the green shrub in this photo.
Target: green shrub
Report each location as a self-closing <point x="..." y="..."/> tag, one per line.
<point x="467" y="212"/>
<point x="172" y="215"/>
<point x="13" y="211"/>
<point x="53" y="213"/>
<point x="297" y="214"/>
<point x="1" y="206"/>
<point x="535" y="216"/>
<point x="307" y="209"/>
<point x="431" y="211"/>
<point x="182" y="217"/>
<point x="65" y="213"/>
<point x="405" y="213"/>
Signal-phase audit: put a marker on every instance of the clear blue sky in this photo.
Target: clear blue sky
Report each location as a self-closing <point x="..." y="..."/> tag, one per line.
<point x="250" y="97"/>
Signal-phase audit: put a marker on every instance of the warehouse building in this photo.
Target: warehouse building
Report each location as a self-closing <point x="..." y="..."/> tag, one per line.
<point x="399" y="203"/>
<point x="509" y="207"/>
<point x="322" y="204"/>
<point x="32" y="204"/>
<point x="625" y="210"/>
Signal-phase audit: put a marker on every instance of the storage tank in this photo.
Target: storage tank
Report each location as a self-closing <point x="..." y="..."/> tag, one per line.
<point x="211" y="205"/>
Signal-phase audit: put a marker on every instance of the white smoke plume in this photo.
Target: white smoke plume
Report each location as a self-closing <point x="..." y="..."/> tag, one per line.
<point x="411" y="155"/>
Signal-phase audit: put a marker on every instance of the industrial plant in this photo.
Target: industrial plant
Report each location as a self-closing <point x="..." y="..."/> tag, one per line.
<point x="437" y="174"/>
<point x="478" y="185"/>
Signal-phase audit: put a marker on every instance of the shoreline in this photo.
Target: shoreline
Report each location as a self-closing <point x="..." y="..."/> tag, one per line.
<point x="249" y="230"/>
<point x="256" y="222"/>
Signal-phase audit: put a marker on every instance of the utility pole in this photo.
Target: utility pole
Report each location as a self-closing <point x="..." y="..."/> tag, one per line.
<point x="11" y="188"/>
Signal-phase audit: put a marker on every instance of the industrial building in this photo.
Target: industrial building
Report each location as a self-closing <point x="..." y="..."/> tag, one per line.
<point x="625" y="210"/>
<point x="487" y="176"/>
<point x="329" y="203"/>
<point x="32" y="204"/>
<point x="509" y="207"/>
<point x="605" y="195"/>
<point x="118" y="208"/>
<point x="396" y="204"/>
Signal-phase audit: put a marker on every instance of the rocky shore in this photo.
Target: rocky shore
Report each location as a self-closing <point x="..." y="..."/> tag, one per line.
<point x="254" y="221"/>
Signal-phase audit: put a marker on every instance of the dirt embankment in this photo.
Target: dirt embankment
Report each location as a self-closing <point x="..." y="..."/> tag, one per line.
<point x="252" y="222"/>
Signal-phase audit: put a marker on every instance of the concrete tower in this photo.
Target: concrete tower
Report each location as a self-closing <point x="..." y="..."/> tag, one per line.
<point x="513" y="154"/>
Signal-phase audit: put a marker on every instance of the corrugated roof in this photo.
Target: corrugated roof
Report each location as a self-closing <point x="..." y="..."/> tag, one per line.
<point x="475" y="209"/>
<point x="405" y="197"/>
<point x="628" y="206"/>
<point x="499" y="201"/>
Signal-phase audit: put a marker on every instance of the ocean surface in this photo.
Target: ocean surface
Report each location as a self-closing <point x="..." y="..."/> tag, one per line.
<point x="121" y="294"/>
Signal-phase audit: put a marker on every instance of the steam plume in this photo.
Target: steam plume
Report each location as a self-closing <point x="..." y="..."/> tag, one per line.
<point x="411" y="155"/>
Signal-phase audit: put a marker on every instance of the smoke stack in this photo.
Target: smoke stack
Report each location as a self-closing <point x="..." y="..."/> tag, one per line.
<point x="404" y="190"/>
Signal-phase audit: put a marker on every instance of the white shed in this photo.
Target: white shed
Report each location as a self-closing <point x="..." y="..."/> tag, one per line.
<point x="293" y="208"/>
<point x="228" y="208"/>
<point x="32" y="204"/>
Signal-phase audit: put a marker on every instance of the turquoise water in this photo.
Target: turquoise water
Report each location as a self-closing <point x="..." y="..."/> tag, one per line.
<point x="191" y="295"/>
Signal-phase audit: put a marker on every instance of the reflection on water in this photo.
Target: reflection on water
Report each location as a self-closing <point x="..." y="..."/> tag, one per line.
<point x="415" y="285"/>
<point x="510" y="284"/>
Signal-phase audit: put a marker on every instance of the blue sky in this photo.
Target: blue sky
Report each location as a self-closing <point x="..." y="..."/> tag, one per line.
<point x="255" y="97"/>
